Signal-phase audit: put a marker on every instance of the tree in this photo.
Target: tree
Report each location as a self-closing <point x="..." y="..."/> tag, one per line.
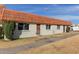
<point x="8" y="28"/>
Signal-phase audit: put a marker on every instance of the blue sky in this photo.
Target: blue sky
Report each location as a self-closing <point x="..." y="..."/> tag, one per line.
<point x="61" y="11"/>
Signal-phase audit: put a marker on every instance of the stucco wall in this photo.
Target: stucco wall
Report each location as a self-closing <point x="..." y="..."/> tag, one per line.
<point x="32" y="31"/>
<point x="43" y="30"/>
<point x="25" y="33"/>
<point x="53" y="30"/>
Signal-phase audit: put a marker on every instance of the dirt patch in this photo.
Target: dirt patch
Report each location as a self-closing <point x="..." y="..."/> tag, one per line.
<point x="66" y="46"/>
<point x="19" y="42"/>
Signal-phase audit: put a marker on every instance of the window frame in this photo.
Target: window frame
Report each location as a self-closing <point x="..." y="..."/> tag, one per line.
<point x="20" y="27"/>
<point x="48" y="27"/>
<point x="58" y="27"/>
<point x="25" y="26"/>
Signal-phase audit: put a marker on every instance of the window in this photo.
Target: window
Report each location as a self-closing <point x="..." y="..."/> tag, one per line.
<point x="48" y="26"/>
<point x="26" y="26"/>
<point x="23" y="26"/>
<point x="58" y="26"/>
<point x="20" y="26"/>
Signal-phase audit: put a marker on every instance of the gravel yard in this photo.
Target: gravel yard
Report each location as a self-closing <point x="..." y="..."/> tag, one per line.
<point x="66" y="46"/>
<point x="27" y="44"/>
<point x="19" y="42"/>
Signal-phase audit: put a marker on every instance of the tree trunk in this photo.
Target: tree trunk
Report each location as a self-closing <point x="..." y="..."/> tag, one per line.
<point x="5" y="38"/>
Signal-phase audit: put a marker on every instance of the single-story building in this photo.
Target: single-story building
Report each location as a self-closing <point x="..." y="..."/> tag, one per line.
<point x="75" y="27"/>
<point x="30" y="25"/>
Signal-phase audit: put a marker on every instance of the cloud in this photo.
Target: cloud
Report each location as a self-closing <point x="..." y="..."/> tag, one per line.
<point x="54" y="9"/>
<point x="74" y="19"/>
<point x="67" y="17"/>
<point x="59" y="9"/>
<point x="73" y="8"/>
<point x="45" y="9"/>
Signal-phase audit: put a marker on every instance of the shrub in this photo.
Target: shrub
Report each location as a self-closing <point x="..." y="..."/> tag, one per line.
<point x="8" y="29"/>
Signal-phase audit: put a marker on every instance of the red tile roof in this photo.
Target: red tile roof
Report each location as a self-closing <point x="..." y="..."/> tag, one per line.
<point x="11" y="15"/>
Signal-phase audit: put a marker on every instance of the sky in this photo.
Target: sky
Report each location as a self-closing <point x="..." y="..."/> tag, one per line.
<point x="68" y="12"/>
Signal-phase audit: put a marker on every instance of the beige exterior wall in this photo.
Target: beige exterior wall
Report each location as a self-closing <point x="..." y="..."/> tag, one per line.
<point x="25" y="33"/>
<point x="43" y="30"/>
<point x="32" y="31"/>
<point x="53" y="30"/>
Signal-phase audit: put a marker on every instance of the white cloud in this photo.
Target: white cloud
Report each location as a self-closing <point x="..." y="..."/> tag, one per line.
<point x="67" y="17"/>
<point x="73" y="8"/>
<point x="77" y="7"/>
<point x="66" y="9"/>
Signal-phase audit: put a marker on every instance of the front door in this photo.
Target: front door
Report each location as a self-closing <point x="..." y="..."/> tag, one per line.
<point x="38" y="29"/>
<point x="64" y="30"/>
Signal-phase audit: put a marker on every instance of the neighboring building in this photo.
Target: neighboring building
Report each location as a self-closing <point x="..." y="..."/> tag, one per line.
<point x="29" y="25"/>
<point x="75" y="27"/>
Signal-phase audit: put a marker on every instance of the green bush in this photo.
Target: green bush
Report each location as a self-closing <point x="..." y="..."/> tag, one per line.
<point x="8" y="28"/>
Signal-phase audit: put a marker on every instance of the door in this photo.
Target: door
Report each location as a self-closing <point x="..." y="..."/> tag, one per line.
<point x="38" y="29"/>
<point x="64" y="30"/>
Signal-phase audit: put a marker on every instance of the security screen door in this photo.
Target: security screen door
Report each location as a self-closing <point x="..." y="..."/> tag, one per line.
<point x="38" y="29"/>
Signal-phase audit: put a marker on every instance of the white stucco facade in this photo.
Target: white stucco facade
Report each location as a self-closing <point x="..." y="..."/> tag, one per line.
<point x="52" y="30"/>
<point x="33" y="30"/>
<point x="25" y="33"/>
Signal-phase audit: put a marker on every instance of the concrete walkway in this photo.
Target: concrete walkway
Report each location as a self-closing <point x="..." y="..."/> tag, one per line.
<point x="36" y="44"/>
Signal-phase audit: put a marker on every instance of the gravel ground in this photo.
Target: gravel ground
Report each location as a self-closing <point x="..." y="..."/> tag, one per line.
<point x="36" y="44"/>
